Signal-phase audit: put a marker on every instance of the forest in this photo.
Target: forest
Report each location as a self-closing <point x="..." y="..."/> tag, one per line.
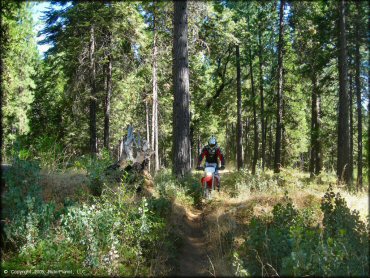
<point x="102" y="133"/>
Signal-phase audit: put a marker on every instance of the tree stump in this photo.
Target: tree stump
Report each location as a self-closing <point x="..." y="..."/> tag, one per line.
<point x="133" y="161"/>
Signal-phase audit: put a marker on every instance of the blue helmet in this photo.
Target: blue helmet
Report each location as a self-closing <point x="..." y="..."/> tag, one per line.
<point x="212" y="142"/>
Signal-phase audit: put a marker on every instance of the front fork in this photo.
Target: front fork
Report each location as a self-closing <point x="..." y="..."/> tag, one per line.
<point x="212" y="188"/>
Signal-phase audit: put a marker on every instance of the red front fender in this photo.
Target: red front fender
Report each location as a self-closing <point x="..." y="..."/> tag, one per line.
<point x="208" y="180"/>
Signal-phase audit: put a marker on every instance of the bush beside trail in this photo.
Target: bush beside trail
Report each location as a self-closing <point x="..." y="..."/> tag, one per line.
<point x="117" y="233"/>
<point x="293" y="228"/>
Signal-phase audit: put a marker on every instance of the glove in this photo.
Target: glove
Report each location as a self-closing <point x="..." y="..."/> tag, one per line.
<point x="222" y="167"/>
<point x="200" y="168"/>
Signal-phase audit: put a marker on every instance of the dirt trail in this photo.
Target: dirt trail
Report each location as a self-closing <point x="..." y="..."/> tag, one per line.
<point x="193" y="255"/>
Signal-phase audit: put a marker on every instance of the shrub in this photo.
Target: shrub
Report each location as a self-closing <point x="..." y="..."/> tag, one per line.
<point x="29" y="225"/>
<point x="112" y="235"/>
<point x="288" y="244"/>
<point x="243" y="181"/>
<point x="50" y="153"/>
<point x="28" y="218"/>
<point x="95" y="167"/>
<point x="268" y="241"/>
<point x="22" y="180"/>
<point x="187" y="190"/>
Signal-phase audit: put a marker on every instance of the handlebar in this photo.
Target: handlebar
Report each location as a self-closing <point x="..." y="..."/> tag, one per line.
<point x="202" y="168"/>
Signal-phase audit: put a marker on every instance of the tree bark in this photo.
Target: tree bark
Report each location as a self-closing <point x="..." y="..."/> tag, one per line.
<point x="350" y="165"/>
<point x="316" y="156"/>
<point x="343" y="128"/>
<point x="155" y="98"/>
<point x="246" y="137"/>
<point x="181" y="113"/>
<point x="318" y="159"/>
<point x="279" y="114"/>
<point x="232" y="142"/>
<point x="255" y="127"/>
<point x="147" y="122"/>
<point x="93" y="137"/>
<point x="198" y="145"/>
<point x="358" y="98"/>
<point x="313" y="126"/>
<point x="239" y="137"/>
<point x="270" y="147"/>
<point x="263" y="129"/>
<point x="107" y="102"/>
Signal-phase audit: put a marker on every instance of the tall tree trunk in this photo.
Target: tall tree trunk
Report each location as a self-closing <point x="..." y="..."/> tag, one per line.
<point x="246" y="138"/>
<point x="191" y="135"/>
<point x="255" y="127"/>
<point x="227" y="147"/>
<point x="198" y="145"/>
<point x="232" y="142"/>
<point x="155" y="97"/>
<point x="313" y="126"/>
<point x="343" y="128"/>
<point x="316" y="156"/>
<point x="279" y="114"/>
<point x="358" y="98"/>
<point x="318" y="159"/>
<point x="181" y="113"/>
<point x="263" y="129"/>
<point x="350" y="165"/>
<point x="283" y="140"/>
<point x="239" y="137"/>
<point x="147" y="115"/>
<point x="93" y="138"/>
<point x="107" y="102"/>
<point x="270" y="147"/>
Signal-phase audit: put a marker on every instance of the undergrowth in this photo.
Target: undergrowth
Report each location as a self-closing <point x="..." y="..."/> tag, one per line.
<point x="187" y="191"/>
<point x="291" y="242"/>
<point x="258" y="229"/>
<point x="116" y="233"/>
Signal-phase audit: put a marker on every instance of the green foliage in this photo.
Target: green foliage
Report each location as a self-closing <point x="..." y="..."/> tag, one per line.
<point x="22" y="181"/>
<point x="270" y="243"/>
<point x="96" y="170"/>
<point x="17" y="84"/>
<point x="287" y="243"/>
<point x="243" y="182"/>
<point x="28" y="217"/>
<point x="187" y="190"/>
<point x="110" y="236"/>
<point x="49" y="152"/>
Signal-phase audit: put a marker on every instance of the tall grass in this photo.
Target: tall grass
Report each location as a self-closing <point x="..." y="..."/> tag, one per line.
<point x="268" y="225"/>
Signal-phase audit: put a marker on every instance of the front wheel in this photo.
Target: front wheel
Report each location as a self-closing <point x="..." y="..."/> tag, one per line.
<point x="206" y="191"/>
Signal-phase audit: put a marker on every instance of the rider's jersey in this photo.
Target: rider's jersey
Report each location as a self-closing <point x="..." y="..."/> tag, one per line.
<point x="211" y="155"/>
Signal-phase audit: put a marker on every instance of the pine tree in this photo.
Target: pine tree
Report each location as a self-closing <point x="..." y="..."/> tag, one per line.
<point x="343" y="119"/>
<point x="181" y="113"/>
<point x="279" y="115"/>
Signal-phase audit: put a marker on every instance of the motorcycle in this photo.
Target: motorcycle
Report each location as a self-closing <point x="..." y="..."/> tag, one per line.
<point x="209" y="180"/>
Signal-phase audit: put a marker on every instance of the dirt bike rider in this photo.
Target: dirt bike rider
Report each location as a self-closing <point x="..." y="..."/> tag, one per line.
<point x="212" y="151"/>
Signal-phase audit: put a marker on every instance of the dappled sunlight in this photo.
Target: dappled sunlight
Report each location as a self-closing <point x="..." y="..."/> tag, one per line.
<point x="112" y="108"/>
<point x="359" y="202"/>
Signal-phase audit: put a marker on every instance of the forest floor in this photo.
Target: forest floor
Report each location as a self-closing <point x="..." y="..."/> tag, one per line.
<point x="210" y="231"/>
